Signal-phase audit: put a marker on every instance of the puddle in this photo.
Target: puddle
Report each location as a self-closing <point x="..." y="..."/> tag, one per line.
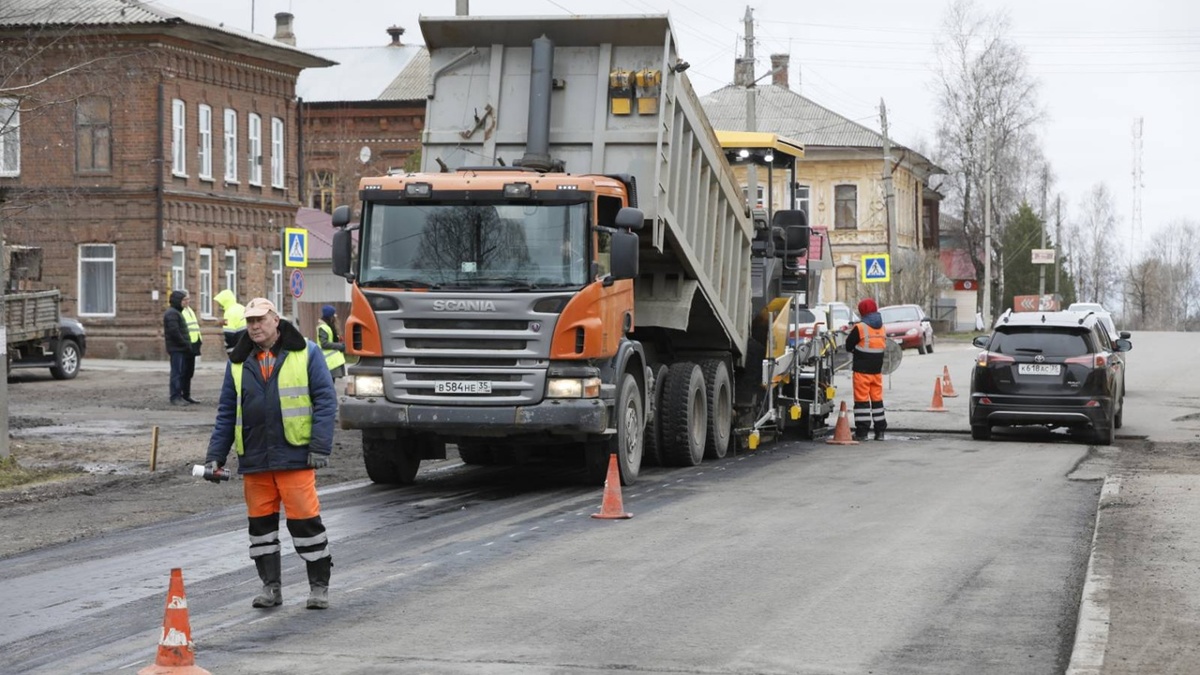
<point x="91" y="428"/>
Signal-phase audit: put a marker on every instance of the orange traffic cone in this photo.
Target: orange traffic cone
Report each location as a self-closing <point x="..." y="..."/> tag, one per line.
<point x="611" y="507"/>
<point x="947" y="386"/>
<point x="841" y="432"/>
<point x="936" y="404"/>
<point x="176" y="653"/>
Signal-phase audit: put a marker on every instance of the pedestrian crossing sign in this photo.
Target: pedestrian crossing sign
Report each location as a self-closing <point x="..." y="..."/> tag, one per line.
<point x="876" y="267"/>
<point x="295" y="246"/>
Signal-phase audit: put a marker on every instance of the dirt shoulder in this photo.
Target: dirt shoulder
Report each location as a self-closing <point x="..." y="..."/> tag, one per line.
<point x="99" y="430"/>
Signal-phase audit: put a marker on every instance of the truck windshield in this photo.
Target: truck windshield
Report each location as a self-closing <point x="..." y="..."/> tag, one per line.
<point x="494" y="246"/>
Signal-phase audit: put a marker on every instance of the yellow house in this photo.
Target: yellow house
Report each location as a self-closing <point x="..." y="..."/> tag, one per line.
<point x="839" y="179"/>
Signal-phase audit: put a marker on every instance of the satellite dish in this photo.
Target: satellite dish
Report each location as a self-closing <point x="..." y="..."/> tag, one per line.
<point x="364" y="155"/>
<point x="892" y="355"/>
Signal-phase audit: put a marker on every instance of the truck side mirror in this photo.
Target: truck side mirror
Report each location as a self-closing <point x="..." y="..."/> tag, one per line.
<point x="624" y="254"/>
<point x="629" y="218"/>
<point x="341" y="249"/>
<point x="341" y="216"/>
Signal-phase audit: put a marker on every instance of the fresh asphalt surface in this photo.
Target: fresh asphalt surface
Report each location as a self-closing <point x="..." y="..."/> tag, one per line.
<point x="1161" y="407"/>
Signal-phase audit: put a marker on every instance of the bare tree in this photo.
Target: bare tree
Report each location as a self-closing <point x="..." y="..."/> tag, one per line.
<point x="1090" y="245"/>
<point x="987" y="106"/>
<point x="1167" y="280"/>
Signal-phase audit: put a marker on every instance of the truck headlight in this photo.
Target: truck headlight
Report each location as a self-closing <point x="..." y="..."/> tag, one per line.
<point x="573" y="387"/>
<point x="365" y="386"/>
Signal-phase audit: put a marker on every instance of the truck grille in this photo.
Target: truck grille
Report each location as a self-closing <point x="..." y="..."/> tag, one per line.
<point x="427" y="349"/>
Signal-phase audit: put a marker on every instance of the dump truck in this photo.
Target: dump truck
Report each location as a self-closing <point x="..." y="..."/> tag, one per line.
<point x="36" y="333"/>
<point x="573" y="273"/>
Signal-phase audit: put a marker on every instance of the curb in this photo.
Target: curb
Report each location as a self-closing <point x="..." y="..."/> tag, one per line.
<point x="1091" y="628"/>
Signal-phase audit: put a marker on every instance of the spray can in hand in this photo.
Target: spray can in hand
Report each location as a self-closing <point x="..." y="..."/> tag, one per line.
<point x="218" y="474"/>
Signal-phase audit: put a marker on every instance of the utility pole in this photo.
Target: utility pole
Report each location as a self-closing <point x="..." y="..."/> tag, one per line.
<point x="1057" y="240"/>
<point x="888" y="189"/>
<point x="751" y="107"/>
<point x="987" y="233"/>
<point x="461" y="8"/>
<point x="1042" y="226"/>
<point x="4" y="452"/>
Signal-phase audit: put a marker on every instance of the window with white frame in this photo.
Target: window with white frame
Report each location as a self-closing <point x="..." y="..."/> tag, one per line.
<point x="803" y="200"/>
<point x="231" y="149"/>
<point x="761" y="192"/>
<point x="256" y="149"/>
<point x="231" y="274"/>
<point x="277" y="278"/>
<point x="10" y="137"/>
<point x="178" y="268"/>
<point x="205" y="290"/>
<point x="204" y="125"/>
<point x="178" y="138"/>
<point x="277" y="152"/>
<point x="97" y="280"/>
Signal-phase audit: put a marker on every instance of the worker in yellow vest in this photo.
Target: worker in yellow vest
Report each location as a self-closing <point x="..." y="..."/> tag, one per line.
<point x="192" y="326"/>
<point x="234" y="315"/>
<point x="277" y="412"/>
<point x="330" y="342"/>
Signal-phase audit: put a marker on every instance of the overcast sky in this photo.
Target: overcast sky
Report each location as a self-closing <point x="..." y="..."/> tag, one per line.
<point x="1101" y="64"/>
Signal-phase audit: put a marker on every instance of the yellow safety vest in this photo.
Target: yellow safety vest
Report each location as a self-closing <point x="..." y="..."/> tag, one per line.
<point x="294" y="399"/>
<point x="333" y="358"/>
<point x="193" y="324"/>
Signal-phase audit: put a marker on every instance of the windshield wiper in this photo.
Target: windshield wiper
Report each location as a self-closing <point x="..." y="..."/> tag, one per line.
<point x="401" y="283"/>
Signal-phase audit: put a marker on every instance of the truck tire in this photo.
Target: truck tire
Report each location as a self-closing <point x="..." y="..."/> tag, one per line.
<point x="652" y="441"/>
<point x="66" y="360"/>
<point x="684" y="421"/>
<point x="388" y="462"/>
<point x="629" y="417"/>
<point x="719" y="408"/>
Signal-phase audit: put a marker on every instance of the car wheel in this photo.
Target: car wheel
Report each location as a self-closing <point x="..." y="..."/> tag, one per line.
<point x="1119" y="417"/>
<point x="66" y="360"/>
<point x="981" y="432"/>
<point x="929" y="347"/>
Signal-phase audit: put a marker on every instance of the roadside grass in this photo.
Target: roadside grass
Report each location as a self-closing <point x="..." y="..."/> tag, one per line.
<point x="12" y="474"/>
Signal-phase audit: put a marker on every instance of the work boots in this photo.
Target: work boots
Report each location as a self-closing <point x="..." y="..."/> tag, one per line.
<point x="269" y="571"/>
<point x="318" y="583"/>
<point x="878" y="434"/>
<point x="860" y="433"/>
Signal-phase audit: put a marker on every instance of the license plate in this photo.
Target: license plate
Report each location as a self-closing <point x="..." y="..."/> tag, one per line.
<point x="463" y="387"/>
<point x="1039" y="369"/>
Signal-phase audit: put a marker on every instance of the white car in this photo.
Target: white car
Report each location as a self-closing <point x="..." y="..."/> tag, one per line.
<point x="1103" y="314"/>
<point x="806" y="324"/>
<point x="841" y="317"/>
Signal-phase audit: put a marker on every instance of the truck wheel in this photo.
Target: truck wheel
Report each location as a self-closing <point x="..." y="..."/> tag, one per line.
<point x="388" y="462"/>
<point x="719" y="409"/>
<point x="684" y="415"/>
<point x="66" y="360"/>
<point x="652" y="440"/>
<point x="630" y="420"/>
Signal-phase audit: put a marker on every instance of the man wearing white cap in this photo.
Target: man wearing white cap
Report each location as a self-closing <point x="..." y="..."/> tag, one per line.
<point x="277" y="412"/>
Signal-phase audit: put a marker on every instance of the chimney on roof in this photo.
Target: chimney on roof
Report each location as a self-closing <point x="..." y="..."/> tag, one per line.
<point x="779" y="69"/>
<point x="283" y="28"/>
<point x="396" y="32"/>
<point x="743" y="72"/>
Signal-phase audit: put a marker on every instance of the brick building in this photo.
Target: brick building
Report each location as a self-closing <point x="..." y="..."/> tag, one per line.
<point x="362" y="117"/>
<point x="146" y="150"/>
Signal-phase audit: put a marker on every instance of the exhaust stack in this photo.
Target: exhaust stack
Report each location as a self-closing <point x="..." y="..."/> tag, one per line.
<point x="541" y="83"/>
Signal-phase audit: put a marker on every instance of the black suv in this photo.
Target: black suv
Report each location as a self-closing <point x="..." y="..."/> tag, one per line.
<point x="1055" y="369"/>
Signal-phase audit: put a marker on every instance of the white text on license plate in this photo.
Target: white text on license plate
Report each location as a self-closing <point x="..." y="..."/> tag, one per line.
<point x="463" y="387"/>
<point x="1039" y="369"/>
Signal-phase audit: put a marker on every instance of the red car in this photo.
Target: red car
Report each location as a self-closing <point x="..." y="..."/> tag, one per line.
<point x="908" y="326"/>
